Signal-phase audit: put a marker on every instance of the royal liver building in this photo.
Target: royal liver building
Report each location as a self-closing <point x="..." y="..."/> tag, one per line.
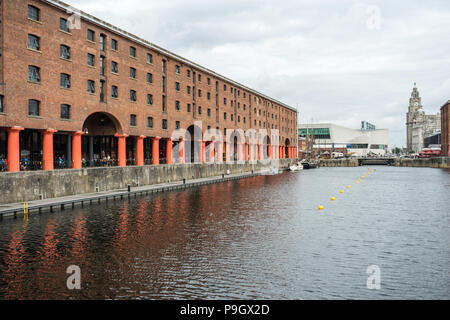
<point x="418" y="124"/>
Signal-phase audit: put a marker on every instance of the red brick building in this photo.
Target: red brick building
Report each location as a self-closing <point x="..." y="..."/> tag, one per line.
<point x="75" y="90"/>
<point x="445" y="129"/>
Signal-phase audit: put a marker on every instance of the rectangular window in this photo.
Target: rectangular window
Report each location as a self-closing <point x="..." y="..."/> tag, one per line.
<point x="177" y="69"/>
<point x="188" y="107"/>
<point x="64" y="52"/>
<point x="63" y="25"/>
<point x="164" y="66"/>
<point x="34" y="13"/>
<point x="224" y="116"/>
<point x="114" y="67"/>
<point x="34" y="42"/>
<point x="199" y="110"/>
<point x="163" y="84"/>
<point x="133" y="52"/>
<point x="208" y="95"/>
<point x="177" y="124"/>
<point x="114" y="45"/>
<point x="1" y="104"/>
<point x="65" y="111"/>
<point x="199" y="93"/>
<point x="149" y="99"/>
<point x="102" y="42"/>
<point x="90" y="35"/>
<point x="225" y="101"/>
<point x="33" y="107"/>
<point x="209" y="112"/>
<point x="34" y="74"/>
<point x="150" y="122"/>
<point x="114" y="92"/>
<point x="133" y="97"/>
<point x="188" y="73"/>
<point x="91" y="86"/>
<point x="102" y="65"/>
<point x="224" y="87"/>
<point x="65" y="81"/>
<point x="188" y="90"/>
<point x="208" y="81"/>
<point x="199" y="78"/>
<point x="177" y="86"/>
<point x="149" y="78"/>
<point x="164" y="124"/>
<point x="90" y="60"/>
<point x="149" y="58"/>
<point x="177" y="105"/>
<point x="133" y="120"/>
<point x="133" y="73"/>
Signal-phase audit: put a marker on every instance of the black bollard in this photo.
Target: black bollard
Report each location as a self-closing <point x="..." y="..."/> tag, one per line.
<point x="129" y="188"/>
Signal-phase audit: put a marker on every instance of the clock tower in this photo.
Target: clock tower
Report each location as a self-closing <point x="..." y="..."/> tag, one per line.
<point x="414" y="116"/>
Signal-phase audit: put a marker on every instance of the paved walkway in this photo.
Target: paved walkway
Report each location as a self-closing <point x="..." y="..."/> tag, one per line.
<point x="88" y="198"/>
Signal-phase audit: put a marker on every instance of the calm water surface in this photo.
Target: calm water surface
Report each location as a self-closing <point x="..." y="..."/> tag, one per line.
<point x="258" y="238"/>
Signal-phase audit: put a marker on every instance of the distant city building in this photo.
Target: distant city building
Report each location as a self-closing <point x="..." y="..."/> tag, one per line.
<point x="445" y="129"/>
<point x="418" y="124"/>
<point x="326" y="138"/>
<point x="367" y="126"/>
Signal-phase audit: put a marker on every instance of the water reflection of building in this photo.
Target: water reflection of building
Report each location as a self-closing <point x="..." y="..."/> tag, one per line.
<point x="326" y="138"/>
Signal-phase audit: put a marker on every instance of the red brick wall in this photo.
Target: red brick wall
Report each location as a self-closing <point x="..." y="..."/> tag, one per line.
<point x="445" y="129"/>
<point x="18" y="90"/>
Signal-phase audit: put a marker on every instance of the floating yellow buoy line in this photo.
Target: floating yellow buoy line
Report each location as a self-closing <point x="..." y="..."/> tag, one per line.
<point x="321" y="208"/>
<point x="333" y="199"/>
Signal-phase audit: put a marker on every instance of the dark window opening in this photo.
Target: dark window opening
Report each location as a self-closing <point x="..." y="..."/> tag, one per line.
<point x="33" y="107"/>
<point x="65" y="111"/>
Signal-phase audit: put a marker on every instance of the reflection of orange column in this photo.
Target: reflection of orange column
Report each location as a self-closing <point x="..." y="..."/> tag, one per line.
<point x="181" y="151"/>
<point x="14" y="149"/>
<point x="140" y="150"/>
<point x="246" y="152"/>
<point x="202" y="150"/>
<point x="169" y="151"/>
<point x="227" y="151"/>
<point x="76" y="150"/>
<point x="121" y="149"/>
<point x="155" y="150"/>
<point x="220" y="151"/>
<point x="47" y="153"/>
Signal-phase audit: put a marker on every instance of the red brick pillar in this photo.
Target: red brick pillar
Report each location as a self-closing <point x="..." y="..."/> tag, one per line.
<point x="246" y="152"/>
<point x="47" y="152"/>
<point x="121" y="149"/>
<point x="76" y="149"/>
<point x="202" y="151"/>
<point x="269" y="151"/>
<point x="155" y="150"/>
<point x="181" y="157"/>
<point x="14" y="149"/>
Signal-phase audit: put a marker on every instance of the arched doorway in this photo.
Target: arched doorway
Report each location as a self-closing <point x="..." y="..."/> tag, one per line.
<point x="266" y="144"/>
<point x="286" y="148"/>
<point x="98" y="144"/>
<point x="192" y="145"/>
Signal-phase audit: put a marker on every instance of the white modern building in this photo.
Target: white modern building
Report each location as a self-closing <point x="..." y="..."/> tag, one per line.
<point x="328" y="137"/>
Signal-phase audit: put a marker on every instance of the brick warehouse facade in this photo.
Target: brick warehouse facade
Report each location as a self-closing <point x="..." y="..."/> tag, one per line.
<point x="445" y="129"/>
<point x="89" y="93"/>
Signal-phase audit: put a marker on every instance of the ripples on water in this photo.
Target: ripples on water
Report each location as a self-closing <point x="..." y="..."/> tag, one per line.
<point x="258" y="238"/>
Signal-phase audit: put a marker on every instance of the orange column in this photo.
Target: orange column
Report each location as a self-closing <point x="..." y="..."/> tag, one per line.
<point x="256" y="151"/>
<point x="220" y="151"/>
<point x="211" y="151"/>
<point x="227" y="151"/>
<point x="76" y="149"/>
<point x="47" y="153"/>
<point x="140" y="150"/>
<point x="250" y="151"/>
<point x="181" y="151"/>
<point x="202" y="150"/>
<point x="121" y="149"/>
<point x="155" y="150"/>
<point x="246" y="152"/>
<point x="269" y="151"/>
<point x="239" y="151"/>
<point x="169" y="151"/>
<point x="14" y="149"/>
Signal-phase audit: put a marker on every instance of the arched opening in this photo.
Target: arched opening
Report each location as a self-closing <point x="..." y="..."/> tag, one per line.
<point x="98" y="144"/>
<point x="286" y="148"/>
<point x="192" y="146"/>
<point x="267" y="151"/>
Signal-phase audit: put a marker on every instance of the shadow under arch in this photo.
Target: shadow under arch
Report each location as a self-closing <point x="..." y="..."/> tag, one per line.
<point x="193" y="139"/>
<point x="99" y="143"/>
<point x="287" y="143"/>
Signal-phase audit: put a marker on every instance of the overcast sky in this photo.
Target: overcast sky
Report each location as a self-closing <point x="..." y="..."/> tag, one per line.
<point x="335" y="61"/>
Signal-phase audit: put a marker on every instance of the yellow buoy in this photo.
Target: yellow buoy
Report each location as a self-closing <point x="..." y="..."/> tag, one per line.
<point x="333" y="198"/>
<point x="321" y="208"/>
<point x="357" y="182"/>
<point x="362" y="177"/>
<point x="348" y="187"/>
<point x="342" y="191"/>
